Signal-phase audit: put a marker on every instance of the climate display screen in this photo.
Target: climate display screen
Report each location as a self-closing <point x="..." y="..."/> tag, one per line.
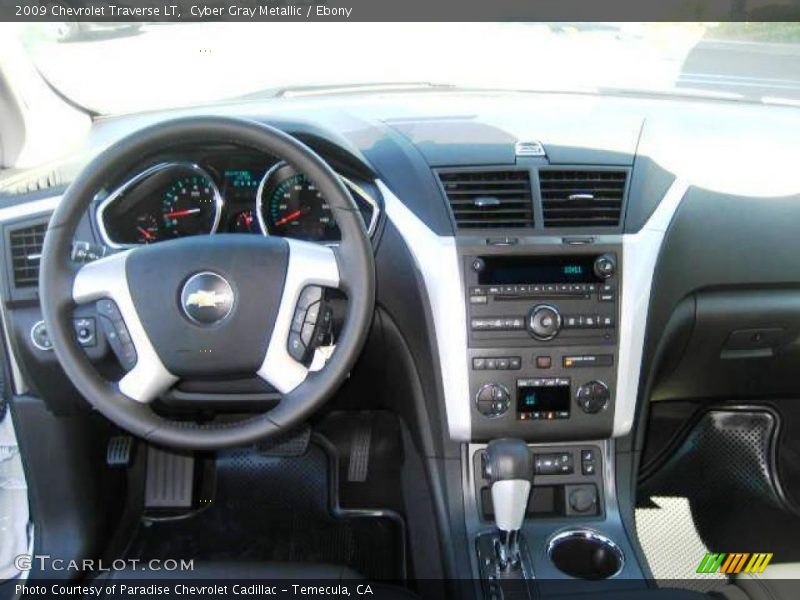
<point x="511" y="270"/>
<point x="543" y="402"/>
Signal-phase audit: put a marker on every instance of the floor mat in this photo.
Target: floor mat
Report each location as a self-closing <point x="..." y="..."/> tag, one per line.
<point x="715" y="492"/>
<point x="672" y="545"/>
<point x="269" y="508"/>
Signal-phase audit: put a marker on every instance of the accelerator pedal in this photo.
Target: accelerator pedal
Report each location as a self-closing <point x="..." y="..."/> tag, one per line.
<point x="360" y="443"/>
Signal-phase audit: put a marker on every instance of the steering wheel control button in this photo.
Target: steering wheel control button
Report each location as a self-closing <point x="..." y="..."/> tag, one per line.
<point x="307" y="334"/>
<point x="311" y="324"/>
<point x="108" y="308"/>
<point x="207" y="298"/>
<point x="296" y="347"/>
<point x="493" y="400"/>
<point x="593" y="397"/>
<point x="117" y="334"/>
<point x="39" y="336"/>
<point x="544" y="322"/>
<point x="310" y="295"/>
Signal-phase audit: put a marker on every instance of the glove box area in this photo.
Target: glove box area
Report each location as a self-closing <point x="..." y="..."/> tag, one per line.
<point x="730" y="343"/>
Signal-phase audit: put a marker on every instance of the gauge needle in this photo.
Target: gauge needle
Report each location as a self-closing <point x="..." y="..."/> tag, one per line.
<point x="147" y="235"/>
<point x="290" y="217"/>
<point x="181" y="213"/>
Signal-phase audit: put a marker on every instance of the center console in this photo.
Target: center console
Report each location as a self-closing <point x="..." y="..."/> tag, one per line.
<point x="542" y="341"/>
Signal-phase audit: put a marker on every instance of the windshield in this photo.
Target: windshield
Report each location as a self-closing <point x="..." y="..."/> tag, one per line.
<point x="127" y="67"/>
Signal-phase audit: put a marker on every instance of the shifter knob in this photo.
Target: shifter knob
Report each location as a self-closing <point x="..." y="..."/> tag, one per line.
<point x="508" y="465"/>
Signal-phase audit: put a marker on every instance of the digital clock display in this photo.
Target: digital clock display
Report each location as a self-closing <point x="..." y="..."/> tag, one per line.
<point x="515" y="270"/>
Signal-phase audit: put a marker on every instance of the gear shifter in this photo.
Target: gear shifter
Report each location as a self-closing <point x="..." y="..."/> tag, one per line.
<point x="508" y="465"/>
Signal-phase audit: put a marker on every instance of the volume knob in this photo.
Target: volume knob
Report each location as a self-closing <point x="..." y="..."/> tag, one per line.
<point x="544" y="322"/>
<point x="605" y="266"/>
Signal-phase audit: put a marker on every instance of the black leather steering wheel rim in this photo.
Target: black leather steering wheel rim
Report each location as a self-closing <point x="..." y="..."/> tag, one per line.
<point x="354" y="257"/>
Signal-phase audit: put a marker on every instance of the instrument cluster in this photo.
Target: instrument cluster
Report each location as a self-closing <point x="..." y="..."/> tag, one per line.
<point x="240" y="194"/>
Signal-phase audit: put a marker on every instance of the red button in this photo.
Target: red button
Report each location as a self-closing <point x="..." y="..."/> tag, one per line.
<point x="543" y="362"/>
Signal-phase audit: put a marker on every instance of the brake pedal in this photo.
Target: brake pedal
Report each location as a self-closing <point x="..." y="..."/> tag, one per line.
<point x="170" y="479"/>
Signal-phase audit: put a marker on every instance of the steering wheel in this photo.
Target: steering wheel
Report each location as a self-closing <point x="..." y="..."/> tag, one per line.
<point x="210" y="306"/>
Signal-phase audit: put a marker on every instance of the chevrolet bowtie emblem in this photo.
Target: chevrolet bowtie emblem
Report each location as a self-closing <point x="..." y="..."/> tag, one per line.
<point x="206" y="299"/>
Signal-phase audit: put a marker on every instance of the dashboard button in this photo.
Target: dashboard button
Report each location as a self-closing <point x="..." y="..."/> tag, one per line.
<point x="604" y="266"/>
<point x="40" y="337"/>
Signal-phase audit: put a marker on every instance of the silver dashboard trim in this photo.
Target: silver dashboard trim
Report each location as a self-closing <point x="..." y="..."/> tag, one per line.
<point x="436" y="259"/>
<point x="141" y="176"/>
<point x="639" y="256"/>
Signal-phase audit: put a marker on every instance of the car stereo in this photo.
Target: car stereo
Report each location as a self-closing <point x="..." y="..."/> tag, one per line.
<point x="542" y="334"/>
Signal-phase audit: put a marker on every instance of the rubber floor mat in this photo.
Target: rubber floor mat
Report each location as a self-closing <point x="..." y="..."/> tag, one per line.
<point x="276" y="509"/>
<point x="672" y="545"/>
<point x="716" y="492"/>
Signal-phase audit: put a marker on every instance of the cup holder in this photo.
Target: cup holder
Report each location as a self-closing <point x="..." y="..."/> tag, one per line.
<point x="585" y="554"/>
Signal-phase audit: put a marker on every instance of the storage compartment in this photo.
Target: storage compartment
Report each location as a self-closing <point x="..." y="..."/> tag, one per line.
<point x="585" y="554"/>
<point x="731" y="344"/>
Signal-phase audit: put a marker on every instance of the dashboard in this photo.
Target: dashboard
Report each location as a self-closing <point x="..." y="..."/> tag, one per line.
<point x="226" y="192"/>
<point x="483" y="236"/>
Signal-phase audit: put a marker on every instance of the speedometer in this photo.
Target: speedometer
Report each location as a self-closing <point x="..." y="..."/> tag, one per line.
<point x="190" y="206"/>
<point x="163" y="202"/>
<point x="289" y="205"/>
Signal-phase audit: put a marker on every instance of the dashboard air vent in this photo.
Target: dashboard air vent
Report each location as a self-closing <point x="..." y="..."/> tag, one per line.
<point x="489" y="199"/>
<point x="26" y="250"/>
<point x="582" y="198"/>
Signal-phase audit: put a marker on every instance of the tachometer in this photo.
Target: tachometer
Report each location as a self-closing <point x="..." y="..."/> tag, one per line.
<point x="290" y="205"/>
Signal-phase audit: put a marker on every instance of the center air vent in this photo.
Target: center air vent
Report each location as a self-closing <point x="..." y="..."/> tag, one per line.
<point x="489" y="199"/>
<point x="26" y="251"/>
<point x="582" y="198"/>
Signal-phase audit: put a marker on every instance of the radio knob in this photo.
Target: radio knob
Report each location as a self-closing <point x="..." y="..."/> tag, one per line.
<point x="544" y="322"/>
<point x="493" y="400"/>
<point x="593" y="396"/>
<point x="605" y="266"/>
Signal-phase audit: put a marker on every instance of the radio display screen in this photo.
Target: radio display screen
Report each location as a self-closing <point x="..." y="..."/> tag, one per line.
<point x="511" y="270"/>
<point x="543" y="402"/>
